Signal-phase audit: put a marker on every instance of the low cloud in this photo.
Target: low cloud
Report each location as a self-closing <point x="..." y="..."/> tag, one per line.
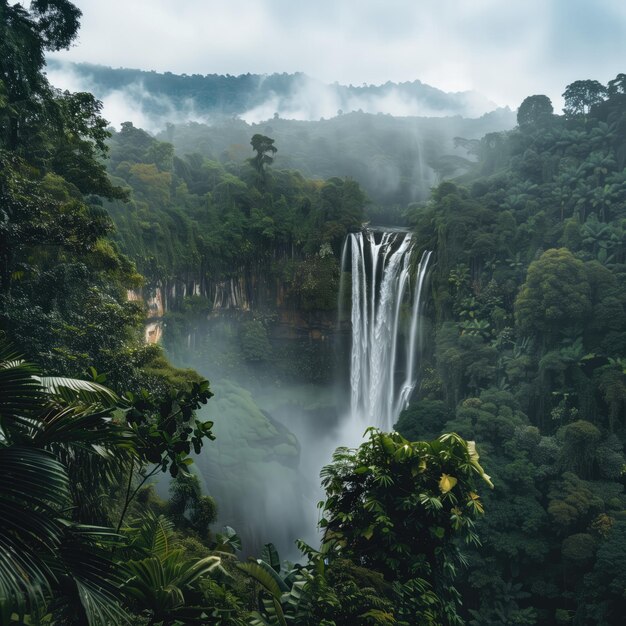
<point x="310" y="99"/>
<point x="132" y="103"/>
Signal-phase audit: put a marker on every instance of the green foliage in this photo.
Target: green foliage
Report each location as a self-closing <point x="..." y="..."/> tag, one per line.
<point x="582" y="95"/>
<point x="315" y="283"/>
<point x="424" y="418"/>
<point x="554" y="296"/>
<point x="579" y="452"/>
<point x="255" y="345"/>
<point x="527" y="356"/>
<point x="578" y="550"/>
<point x="163" y="586"/>
<point x="47" y="434"/>
<point x="166" y="429"/>
<point x="395" y="507"/>
<point x="528" y="306"/>
<point x="263" y="146"/>
<point x="189" y="507"/>
<point x="534" y="110"/>
<point x="572" y="502"/>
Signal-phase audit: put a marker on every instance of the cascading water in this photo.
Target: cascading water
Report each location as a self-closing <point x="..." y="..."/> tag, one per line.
<point x="380" y="285"/>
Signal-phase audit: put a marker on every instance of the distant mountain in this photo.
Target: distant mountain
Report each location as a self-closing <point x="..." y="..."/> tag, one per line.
<point x="150" y="99"/>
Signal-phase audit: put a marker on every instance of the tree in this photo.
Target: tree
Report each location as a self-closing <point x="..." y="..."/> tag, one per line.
<point x="555" y="295"/>
<point x="534" y="110"/>
<point x="397" y="507"/>
<point x="263" y="146"/>
<point x="25" y="35"/>
<point x="581" y="95"/>
<point x="54" y="252"/>
<point x="617" y="85"/>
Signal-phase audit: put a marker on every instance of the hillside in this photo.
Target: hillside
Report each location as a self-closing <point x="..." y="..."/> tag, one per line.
<point x="257" y="97"/>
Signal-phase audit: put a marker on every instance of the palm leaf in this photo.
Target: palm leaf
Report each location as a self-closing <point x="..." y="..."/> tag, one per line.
<point x="148" y="587"/>
<point x="34" y="488"/>
<point x="96" y="578"/>
<point x="153" y="536"/>
<point x="72" y="390"/>
<point x="21" y="395"/>
<point x="209" y="565"/>
<point x="83" y="427"/>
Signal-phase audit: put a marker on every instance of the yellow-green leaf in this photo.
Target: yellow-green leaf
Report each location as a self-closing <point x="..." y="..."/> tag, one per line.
<point x="446" y="483"/>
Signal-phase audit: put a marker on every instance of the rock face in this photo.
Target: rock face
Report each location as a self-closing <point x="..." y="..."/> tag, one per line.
<point x="298" y="309"/>
<point x="154" y="331"/>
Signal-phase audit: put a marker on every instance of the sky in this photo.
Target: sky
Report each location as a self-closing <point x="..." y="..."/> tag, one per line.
<point x="504" y="49"/>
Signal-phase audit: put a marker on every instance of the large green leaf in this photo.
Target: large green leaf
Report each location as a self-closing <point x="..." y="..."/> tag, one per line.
<point x="269" y="554"/>
<point x="21" y="395"/>
<point x="72" y="390"/>
<point x="266" y="576"/>
<point x="33" y="490"/>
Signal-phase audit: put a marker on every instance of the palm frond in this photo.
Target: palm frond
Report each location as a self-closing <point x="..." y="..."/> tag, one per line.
<point x="34" y="488"/>
<point x="147" y="586"/>
<point x="85" y="427"/>
<point x="85" y="556"/>
<point x="209" y="565"/>
<point x="21" y="394"/>
<point x="160" y="585"/>
<point x="153" y="536"/>
<point x="75" y="390"/>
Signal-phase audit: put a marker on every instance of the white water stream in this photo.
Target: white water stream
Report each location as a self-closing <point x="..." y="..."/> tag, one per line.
<point x="385" y="334"/>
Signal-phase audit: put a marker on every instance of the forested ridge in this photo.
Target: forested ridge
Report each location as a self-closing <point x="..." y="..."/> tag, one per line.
<point x="218" y="95"/>
<point x="396" y="160"/>
<point x="524" y="354"/>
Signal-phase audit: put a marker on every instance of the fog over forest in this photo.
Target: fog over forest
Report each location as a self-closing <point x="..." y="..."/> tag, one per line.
<point x="149" y="98"/>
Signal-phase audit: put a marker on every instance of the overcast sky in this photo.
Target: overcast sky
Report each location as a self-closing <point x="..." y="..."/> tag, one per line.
<point x="505" y="49"/>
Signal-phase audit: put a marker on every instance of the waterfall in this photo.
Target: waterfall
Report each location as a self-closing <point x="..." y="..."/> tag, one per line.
<point x="382" y="341"/>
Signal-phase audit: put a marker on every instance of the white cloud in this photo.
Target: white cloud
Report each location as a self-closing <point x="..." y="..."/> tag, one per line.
<point x="504" y="50"/>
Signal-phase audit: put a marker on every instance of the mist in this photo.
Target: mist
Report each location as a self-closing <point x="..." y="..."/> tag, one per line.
<point x="274" y="431"/>
<point x="310" y="99"/>
<point x="143" y="98"/>
<point x="132" y="103"/>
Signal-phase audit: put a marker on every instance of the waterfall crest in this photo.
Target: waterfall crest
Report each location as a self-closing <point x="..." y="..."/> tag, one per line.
<point x="383" y="343"/>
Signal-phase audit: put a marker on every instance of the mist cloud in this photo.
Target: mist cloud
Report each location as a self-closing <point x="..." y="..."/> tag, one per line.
<point x="306" y="99"/>
<point x="133" y="103"/>
<point x="505" y="50"/>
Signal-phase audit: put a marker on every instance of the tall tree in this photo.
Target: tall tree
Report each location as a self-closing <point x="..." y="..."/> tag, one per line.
<point x="264" y="147"/>
<point x="534" y="110"/>
<point x="581" y="95"/>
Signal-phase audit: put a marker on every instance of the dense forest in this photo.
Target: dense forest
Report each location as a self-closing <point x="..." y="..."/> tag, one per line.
<point x="396" y="160"/>
<point x="114" y="453"/>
